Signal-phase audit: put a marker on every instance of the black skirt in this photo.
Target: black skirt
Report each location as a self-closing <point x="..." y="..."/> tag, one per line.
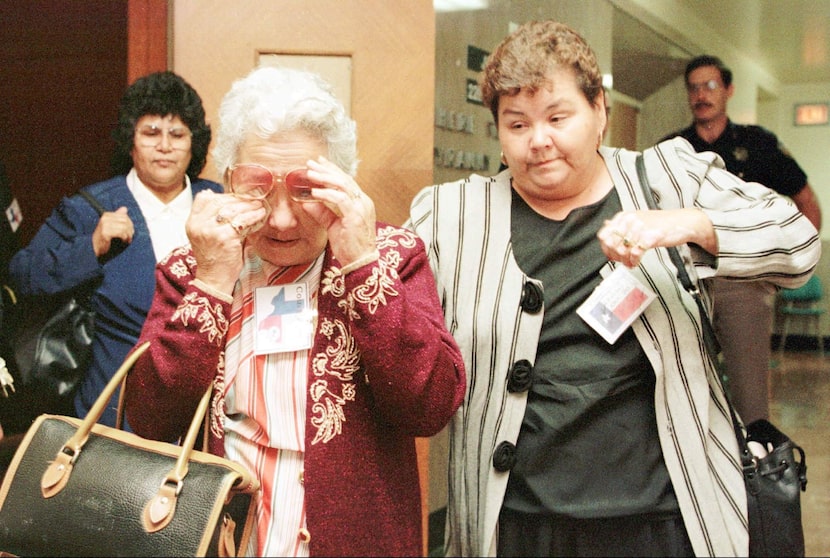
<point x="523" y="534"/>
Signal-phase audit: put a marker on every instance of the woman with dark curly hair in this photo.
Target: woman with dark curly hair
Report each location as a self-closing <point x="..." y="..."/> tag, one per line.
<point x="162" y="141"/>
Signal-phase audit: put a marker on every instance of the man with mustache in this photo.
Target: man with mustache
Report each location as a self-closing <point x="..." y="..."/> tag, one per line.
<point x="743" y="311"/>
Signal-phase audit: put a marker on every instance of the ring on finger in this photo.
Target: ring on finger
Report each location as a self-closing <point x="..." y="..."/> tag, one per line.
<point x="221" y="218"/>
<point x="237" y="227"/>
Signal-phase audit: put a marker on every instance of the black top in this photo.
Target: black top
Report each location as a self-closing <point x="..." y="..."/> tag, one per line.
<point x="754" y="154"/>
<point x="588" y="446"/>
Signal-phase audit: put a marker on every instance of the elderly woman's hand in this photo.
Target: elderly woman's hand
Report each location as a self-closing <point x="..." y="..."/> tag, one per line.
<point x="626" y="237"/>
<point x="347" y="213"/>
<point x="216" y="228"/>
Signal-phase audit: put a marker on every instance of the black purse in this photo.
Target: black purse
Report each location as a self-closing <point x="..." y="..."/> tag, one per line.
<point x="774" y="482"/>
<point x="49" y="346"/>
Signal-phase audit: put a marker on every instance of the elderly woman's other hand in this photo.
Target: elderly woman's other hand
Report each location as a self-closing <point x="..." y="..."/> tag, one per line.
<point x="347" y="213"/>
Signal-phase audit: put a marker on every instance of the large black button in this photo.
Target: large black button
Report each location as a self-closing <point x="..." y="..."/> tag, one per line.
<point x="520" y="377"/>
<point x="504" y="458"/>
<point x="531" y="298"/>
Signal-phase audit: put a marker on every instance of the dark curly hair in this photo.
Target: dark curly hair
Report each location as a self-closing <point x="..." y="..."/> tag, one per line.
<point x="161" y="93"/>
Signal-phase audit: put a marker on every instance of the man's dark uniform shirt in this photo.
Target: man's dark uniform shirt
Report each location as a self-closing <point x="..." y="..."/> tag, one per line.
<point x="754" y="154"/>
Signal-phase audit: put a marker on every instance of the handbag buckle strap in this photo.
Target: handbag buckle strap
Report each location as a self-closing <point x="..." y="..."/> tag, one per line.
<point x="159" y="510"/>
<point x="57" y="473"/>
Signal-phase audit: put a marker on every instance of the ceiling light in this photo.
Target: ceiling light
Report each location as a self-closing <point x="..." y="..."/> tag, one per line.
<point x="459" y="5"/>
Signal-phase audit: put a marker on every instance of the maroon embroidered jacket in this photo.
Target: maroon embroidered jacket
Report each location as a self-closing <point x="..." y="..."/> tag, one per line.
<point x="406" y="379"/>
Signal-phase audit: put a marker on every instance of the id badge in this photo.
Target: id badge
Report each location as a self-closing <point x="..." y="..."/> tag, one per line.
<point x="615" y="303"/>
<point x="283" y="318"/>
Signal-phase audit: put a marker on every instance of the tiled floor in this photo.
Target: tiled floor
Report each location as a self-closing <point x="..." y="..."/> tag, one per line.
<point x="800" y="407"/>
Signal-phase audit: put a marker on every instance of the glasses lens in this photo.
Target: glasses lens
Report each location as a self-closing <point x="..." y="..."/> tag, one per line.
<point x="251" y="181"/>
<point x="710" y="85"/>
<point x="151" y="135"/>
<point x="299" y="186"/>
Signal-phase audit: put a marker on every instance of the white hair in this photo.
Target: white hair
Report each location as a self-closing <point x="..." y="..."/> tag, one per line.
<point x="272" y="100"/>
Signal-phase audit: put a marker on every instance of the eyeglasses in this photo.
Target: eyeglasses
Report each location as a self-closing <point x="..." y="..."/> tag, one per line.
<point x="710" y="85"/>
<point x="151" y="135"/>
<point x="256" y="182"/>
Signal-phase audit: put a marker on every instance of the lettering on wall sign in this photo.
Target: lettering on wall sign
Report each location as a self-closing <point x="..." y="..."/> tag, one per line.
<point x="454" y="121"/>
<point x="449" y="158"/>
<point x="473" y="92"/>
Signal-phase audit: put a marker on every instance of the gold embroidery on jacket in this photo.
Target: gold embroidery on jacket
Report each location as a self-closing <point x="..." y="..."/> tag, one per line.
<point x="179" y="269"/>
<point x="175" y="253"/>
<point x="389" y="237"/>
<point x="199" y="308"/>
<point x="217" y="404"/>
<point x="379" y="285"/>
<point x="341" y="359"/>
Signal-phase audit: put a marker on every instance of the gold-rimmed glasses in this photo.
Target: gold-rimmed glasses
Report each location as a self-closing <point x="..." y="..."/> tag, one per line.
<point x="253" y="181"/>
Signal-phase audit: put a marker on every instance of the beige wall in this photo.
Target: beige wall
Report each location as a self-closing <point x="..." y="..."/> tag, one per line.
<point x="391" y="44"/>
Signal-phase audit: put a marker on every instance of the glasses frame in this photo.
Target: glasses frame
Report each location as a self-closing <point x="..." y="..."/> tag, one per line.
<point x="182" y="143"/>
<point x="300" y="194"/>
<point x="708" y="85"/>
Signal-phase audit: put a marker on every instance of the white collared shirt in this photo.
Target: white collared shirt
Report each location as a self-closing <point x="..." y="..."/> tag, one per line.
<point x="165" y="221"/>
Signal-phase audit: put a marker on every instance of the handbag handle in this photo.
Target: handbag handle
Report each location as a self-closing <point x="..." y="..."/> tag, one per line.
<point x="92" y="201"/>
<point x="709" y="337"/>
<point x="57" y="473"/>
<point x="159" y="510"/>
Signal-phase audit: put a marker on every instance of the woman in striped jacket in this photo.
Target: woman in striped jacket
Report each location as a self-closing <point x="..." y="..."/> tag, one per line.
<point x="571" y="441"/>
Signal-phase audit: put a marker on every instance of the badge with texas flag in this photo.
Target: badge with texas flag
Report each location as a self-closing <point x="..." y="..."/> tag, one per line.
<point x="615" y="303"/>
<point x="283" y="319"/>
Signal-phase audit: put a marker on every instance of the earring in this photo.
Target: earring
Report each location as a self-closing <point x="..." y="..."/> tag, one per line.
<point x="502" y="159"/>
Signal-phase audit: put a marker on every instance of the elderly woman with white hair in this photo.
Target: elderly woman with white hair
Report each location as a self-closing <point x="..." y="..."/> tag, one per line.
<point x="318" y="328"/>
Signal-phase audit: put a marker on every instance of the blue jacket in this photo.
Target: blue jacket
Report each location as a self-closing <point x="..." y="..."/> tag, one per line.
<point x="60" y="257"/>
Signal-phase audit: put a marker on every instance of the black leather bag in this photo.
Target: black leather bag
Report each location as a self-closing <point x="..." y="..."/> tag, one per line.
<point x="78" y="488"/>
<point x="774" y="482"/>
<point x="773" y="487"/>
<point x="47" y="343"/>
<point x="52" y="343"/>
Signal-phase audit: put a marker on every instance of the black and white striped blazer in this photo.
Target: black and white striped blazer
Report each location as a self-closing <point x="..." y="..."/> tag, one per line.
<point x="466" y="228"/>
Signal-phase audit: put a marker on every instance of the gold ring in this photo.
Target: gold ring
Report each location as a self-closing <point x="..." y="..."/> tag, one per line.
<point x="354" y="194"/>
<point x="624" y="239"/>
<point x="237" y="227"/>
<point x="221" y="218"/>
